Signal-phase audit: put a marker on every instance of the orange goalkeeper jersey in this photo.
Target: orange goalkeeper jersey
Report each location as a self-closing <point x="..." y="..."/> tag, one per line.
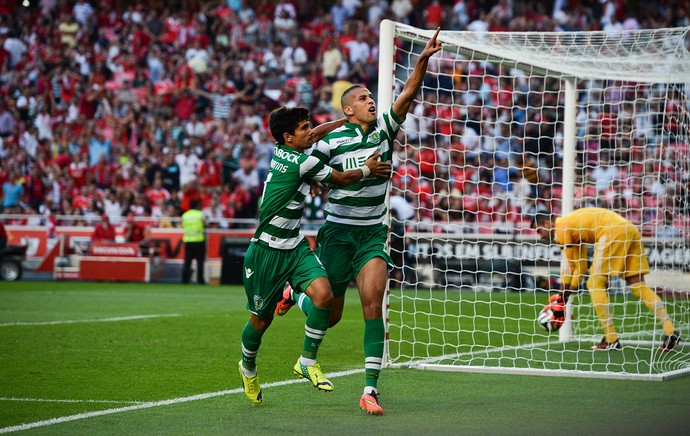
<point x="618" y="247"/>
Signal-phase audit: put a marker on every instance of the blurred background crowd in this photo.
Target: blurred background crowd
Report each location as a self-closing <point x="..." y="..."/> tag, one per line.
<point x="134" y="109"/>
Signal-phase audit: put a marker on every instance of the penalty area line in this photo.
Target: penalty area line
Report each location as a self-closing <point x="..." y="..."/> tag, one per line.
<point x="152" y="404"/>
<point x="83" y="321"/>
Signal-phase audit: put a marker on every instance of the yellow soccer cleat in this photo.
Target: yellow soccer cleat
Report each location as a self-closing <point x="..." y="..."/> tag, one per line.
<point x="370" y="404"/>
<point x="252" y="388"/>
<point x="314" y="375"/>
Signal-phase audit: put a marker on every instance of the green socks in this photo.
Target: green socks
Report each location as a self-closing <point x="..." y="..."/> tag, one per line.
<point x="374" y="336"/>
<point x="315" y="330"/>
<point x="251" y="341"/>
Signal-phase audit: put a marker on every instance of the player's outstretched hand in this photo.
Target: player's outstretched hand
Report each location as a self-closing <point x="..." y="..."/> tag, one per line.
<point x="378" y="169"/>
<point x="433" y="46"/>
<point x="317" y="188"/>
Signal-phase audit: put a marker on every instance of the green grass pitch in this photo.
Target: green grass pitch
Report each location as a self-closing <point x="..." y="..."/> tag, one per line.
<point x="102" y="358"/>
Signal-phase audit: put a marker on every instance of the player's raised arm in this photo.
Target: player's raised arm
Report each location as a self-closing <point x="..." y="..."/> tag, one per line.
<point x="402" y="104"/>
<point x="372" y="167"/>
<point x="324" y="129"/>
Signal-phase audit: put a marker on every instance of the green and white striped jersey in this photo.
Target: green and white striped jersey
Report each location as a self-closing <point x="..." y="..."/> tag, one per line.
<point x="348" y="147"/>
<point x="282" y="202"/>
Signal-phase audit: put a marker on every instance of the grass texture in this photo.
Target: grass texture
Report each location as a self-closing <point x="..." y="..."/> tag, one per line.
<point x="104" y="358"/>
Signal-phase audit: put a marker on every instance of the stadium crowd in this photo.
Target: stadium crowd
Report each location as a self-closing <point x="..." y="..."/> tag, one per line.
<point x="134" y="109"/>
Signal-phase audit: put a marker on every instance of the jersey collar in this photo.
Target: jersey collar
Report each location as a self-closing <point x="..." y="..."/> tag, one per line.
<point x="354" y="126"/>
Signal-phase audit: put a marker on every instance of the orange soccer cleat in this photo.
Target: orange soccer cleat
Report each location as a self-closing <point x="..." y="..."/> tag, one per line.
<point x="370" y="404"/>
<point x="286" y="303"/>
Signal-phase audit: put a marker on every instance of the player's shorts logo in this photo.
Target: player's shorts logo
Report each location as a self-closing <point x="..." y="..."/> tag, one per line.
<point x="248" y="272"/>
<point x="258" y="302"/>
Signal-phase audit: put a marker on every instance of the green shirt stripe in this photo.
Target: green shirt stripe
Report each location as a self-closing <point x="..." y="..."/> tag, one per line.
<point x="347" y="148"/>
<point x="285" y="189"/>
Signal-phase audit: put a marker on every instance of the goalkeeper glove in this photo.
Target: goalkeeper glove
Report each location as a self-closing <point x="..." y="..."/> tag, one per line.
<point x="557" y="304"/>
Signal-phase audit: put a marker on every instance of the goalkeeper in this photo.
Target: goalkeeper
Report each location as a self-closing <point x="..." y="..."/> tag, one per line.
<point x="352" y="242"/>
<point x="618" y="250"/>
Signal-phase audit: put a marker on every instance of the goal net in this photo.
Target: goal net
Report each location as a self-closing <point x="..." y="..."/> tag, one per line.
<point x="509" y="124"/>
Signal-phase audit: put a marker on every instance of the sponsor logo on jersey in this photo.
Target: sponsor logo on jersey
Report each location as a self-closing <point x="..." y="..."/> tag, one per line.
<point x="341" y="141"/>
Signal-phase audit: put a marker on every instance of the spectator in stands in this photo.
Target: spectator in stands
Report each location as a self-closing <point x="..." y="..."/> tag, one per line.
<point x="103" y="231"/>
<point x="112" y="206"/>
<point x="7" y="120"/>
<point x="285" y="22"/>
<point x="188" y="163"/>
<point x="69" y="29"/>
<point x="36" y="188"/>
<point x="434" y="15"/>
<point x="195" y="128"/>
<point x="339" y="14"/>
<point x="99" y="146"/>
<point x="605" y="173"/>
<point x="170" y="172"/>
<point x="126" y="71"/>
<point x="216" y="213"/>
<point x="135" y="231"/>
<point x="331" y="60"/>
<point x="83" y="11"/>
<point x="210" y="171"/>
<point x="294" y="58"/>
<point x="12" y="192"/>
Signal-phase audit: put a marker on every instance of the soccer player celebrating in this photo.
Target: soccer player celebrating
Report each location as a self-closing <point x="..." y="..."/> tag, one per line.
<point x="278" y="253"/>
<point x="618" y="250"/>
<point x="352" y="242"/>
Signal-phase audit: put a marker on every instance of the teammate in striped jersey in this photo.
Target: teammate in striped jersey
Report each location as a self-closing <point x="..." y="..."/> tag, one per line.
<point x="278" y="253"/>
<point x="618" y="250"/>
<point x="352" y="242"/>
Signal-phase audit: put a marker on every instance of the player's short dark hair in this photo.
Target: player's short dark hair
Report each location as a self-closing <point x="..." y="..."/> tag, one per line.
<point x="285" y="120"/>
<point x="347" y="92"/>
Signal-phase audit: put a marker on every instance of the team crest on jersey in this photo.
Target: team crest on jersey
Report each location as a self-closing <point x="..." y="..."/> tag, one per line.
<point x="375" y="138"/>
<point x="258" y="302"/>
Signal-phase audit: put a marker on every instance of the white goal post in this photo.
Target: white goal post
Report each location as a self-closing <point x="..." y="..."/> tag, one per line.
<point x="511" y="123"/>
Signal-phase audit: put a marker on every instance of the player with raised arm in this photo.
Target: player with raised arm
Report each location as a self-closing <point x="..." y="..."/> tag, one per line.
<point x="618" y="250"/>
<point x="352" y="242"/>
<point x="278" y="252"/>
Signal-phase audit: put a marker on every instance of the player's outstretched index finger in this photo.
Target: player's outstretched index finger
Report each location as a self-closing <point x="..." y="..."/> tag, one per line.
<point x="434" y="45"/>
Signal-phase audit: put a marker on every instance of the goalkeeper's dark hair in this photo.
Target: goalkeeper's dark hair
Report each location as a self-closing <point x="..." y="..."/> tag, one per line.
<point x="540" y="217"/>
<point x="285" y="120"/>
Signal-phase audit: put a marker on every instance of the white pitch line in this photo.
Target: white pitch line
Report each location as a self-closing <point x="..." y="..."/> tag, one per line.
<point x="46" y="400"/>
<point x="80" y="321"/>
<point x="151" y="404"/>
